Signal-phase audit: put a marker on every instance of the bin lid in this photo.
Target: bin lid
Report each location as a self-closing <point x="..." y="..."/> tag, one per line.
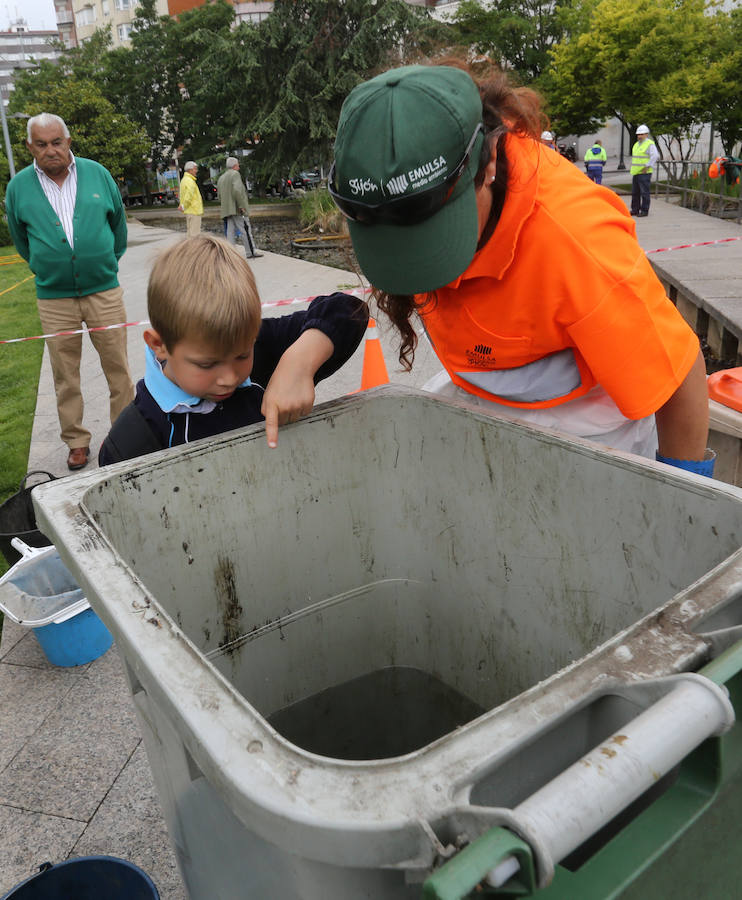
<point x="725" y="387"/>
<point x="40" y="590"/>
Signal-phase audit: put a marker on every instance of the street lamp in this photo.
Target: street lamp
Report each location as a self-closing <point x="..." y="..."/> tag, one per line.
<point x="621" y="163"/>
<point x="6" y="136"/>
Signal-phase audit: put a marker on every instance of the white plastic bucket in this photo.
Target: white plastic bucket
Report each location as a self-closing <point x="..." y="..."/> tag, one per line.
<point x="40" y="593"/>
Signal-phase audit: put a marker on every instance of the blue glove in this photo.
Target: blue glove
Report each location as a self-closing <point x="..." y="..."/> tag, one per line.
<point x="697" y="466"/>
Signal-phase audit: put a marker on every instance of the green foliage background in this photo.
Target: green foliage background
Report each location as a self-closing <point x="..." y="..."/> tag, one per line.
<point x="201" y="86"/>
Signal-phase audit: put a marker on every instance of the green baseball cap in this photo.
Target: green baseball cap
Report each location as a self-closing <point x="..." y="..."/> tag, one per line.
<point x="401" y="141"/>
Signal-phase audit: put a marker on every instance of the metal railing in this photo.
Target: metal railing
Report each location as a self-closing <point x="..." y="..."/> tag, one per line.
<point x="690" y="182"/>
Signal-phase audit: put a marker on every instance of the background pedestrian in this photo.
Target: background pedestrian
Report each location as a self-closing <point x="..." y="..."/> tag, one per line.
<point x="191" y="202"/>
<point x="233" y="206"/>
<point x="67" y="220"/>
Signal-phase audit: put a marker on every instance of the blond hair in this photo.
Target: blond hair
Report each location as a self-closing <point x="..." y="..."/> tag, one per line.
<point x="202" y="288"/>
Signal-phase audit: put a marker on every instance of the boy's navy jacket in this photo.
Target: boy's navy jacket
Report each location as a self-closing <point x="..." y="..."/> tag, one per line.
<point x="143" y="427"/>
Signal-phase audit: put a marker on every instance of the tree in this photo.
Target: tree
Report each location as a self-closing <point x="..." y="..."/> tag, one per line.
<point x="138" y="81"/>
<point x="625" y="64"/>
<point x="98" y="131"/>
<point x="298" y="66"/>
<point x="517" y="34"/>
<point x="723" y="84"/>
<point x="170" y="78"/>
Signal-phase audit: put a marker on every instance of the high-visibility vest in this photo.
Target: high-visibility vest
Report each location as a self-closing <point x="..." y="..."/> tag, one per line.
<point x="640" y="156"/>
<point x="596" y="156"/>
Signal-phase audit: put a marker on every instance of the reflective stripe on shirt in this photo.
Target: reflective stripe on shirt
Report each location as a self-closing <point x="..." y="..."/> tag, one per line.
<point x="62" y="199"/>
<point x="547" y="378"/>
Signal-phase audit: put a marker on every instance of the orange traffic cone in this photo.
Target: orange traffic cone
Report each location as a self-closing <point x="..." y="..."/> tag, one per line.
<point x="374" y="368"/>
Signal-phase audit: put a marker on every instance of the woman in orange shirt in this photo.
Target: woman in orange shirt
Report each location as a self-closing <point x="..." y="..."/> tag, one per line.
<point x="527" y="277"/>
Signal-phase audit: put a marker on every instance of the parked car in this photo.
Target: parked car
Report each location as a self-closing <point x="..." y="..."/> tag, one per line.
<point x="208" y="190"/>
<point x="307" y="179"/>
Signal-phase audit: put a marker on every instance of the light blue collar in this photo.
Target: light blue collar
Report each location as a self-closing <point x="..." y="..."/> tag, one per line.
<point x="168" y="395"/>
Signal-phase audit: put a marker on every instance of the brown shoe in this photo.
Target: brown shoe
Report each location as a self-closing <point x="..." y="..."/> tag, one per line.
<point x="78" y="458"/>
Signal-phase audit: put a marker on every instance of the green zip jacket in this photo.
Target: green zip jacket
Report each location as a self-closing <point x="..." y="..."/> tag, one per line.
<point x="99" y="224"/>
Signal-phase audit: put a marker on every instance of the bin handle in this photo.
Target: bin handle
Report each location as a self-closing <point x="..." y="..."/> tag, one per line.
<point x="578" y="802"/>
<point x="496" y="857"/>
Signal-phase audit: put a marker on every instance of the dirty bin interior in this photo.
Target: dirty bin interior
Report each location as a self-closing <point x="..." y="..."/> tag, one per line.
<point x="403" y="567"/>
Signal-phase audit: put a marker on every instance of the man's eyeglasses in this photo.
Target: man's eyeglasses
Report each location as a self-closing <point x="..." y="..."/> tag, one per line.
<point x="407" y="210"/>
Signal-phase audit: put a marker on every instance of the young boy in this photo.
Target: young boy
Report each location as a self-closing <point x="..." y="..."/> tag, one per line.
<point x="212" y="366"/>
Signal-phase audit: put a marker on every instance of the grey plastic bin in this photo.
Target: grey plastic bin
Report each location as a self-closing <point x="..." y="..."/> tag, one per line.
<point x="442" y="610"/>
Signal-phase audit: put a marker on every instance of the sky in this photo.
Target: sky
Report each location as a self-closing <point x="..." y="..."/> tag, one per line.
<point x="38" y="13"/>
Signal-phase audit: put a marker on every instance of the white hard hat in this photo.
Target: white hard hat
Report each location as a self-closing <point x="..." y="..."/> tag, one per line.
<point x="642" y="129"/>
<point x="547" y="136"/>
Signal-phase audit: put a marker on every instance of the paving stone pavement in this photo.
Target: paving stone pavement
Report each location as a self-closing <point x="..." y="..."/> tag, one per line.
<point x="74" y="777"/>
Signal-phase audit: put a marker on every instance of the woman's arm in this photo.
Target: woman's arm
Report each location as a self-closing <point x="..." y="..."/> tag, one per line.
<point x="683" y="422"/>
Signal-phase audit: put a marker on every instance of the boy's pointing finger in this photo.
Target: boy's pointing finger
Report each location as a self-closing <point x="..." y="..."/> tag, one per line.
<point x="271" y="425"/>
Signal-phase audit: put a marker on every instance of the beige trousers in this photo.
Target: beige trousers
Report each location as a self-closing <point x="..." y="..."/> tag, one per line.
<point x="193" y="225"/>
<point x="69" y="314"/>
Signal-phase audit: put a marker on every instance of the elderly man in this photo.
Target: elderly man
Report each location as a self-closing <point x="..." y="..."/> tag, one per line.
<point x="67" y="220"/>
<point x="233" y="204"/>
<point x="190" y="199"/>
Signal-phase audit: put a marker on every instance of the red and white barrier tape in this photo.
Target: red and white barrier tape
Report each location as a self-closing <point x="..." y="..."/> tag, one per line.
<point x="268" y="305"/>
<point x="296" y="300"/>
<point x="698" y="244"/>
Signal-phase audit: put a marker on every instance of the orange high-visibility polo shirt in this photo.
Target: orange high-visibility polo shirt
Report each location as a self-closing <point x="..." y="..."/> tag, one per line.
<point x="563" y="271"/>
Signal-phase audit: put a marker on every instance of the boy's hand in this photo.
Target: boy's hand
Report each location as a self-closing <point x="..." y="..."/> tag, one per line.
<point x="290" y="392"/>
<point x="288" y="397"/>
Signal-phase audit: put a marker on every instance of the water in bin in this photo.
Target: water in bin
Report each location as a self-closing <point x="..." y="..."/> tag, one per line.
<point x="390" y="712"/>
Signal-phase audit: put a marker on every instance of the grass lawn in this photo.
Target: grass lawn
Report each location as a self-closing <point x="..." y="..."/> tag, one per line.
<point x="20" y="365"/>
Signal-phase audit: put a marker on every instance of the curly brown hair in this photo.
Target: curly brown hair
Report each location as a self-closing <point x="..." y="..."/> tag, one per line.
<point x="505" y="108"/>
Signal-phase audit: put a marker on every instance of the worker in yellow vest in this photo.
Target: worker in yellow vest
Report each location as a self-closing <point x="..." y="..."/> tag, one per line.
<point x="595" y="160"/>
<point x="644" y="155"/>
<point x="191" y="202"/>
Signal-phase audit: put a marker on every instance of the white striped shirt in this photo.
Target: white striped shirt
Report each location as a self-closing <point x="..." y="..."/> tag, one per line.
<point x="63" y="198"/>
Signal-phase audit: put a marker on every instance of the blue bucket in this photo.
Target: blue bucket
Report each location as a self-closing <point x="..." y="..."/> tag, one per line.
<point x="40" y="593"/>
<point x="86" y="878"/>
<point x="75" y="641"/>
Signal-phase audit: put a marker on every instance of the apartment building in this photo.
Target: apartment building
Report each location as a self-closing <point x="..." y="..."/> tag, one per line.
<point x="255" y="11"/>
<point x="78" y="19"/>
<point x="89" y="15"/>
<point x="20" y="47"/>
